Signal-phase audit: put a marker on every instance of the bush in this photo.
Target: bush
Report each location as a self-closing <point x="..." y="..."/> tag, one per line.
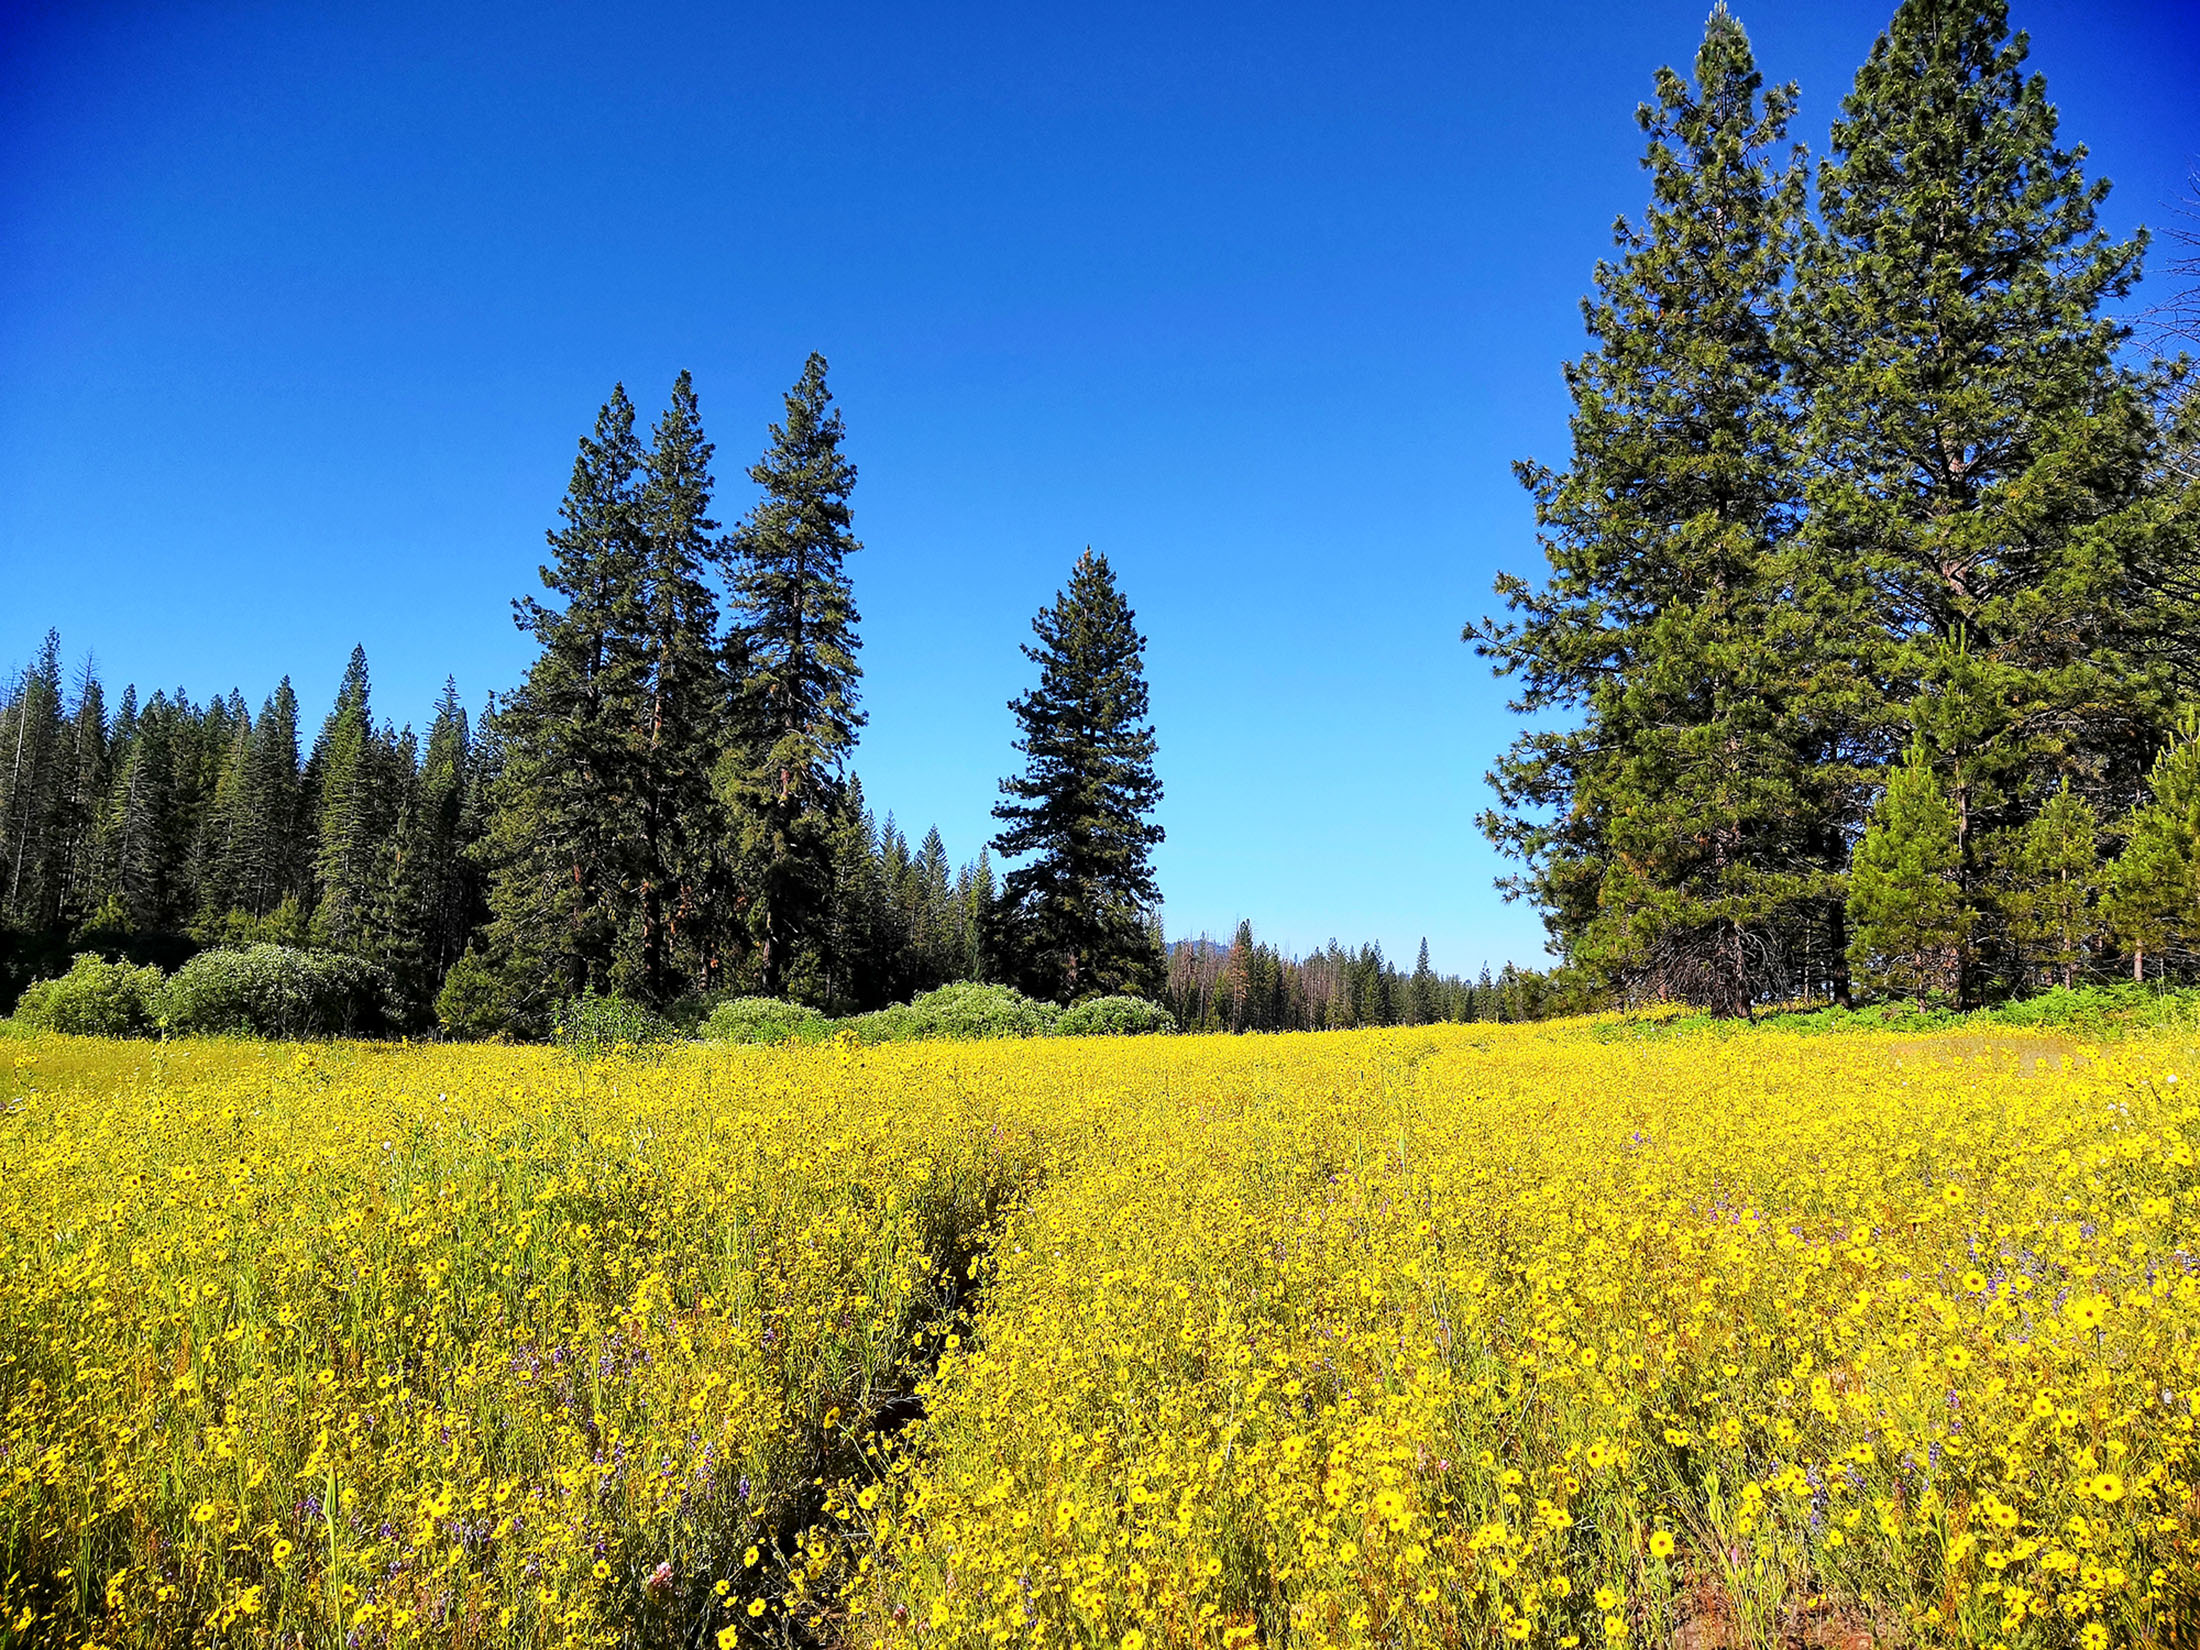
<point x="95" y="998"/>
<point x="765" y="1020"/>
<point x="476" y="1001"/>
<point x="590" y="1025"/>
<point x="1114" y="1017"/>
<point x="279" y="991"/>
<point x="885" y="1025"/>
<point x="964" y="1010"/>
<point x="690" y="1012"/>
<point x="2099" y="1010"/>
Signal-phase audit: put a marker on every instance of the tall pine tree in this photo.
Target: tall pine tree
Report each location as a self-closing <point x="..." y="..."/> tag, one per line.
<point x="1977" y="453"/>
<point x="1077" y="814"/>
<point x="355" y="814"/>
<point x="674" y="746"/>
<point x="1674" y="837"/>
<point x="796" y="715"/>
<point x="2152" y="898"/>
<point x="559" y="810"/>
<point x="33" y="746"/>
<point x="83" y="798"/>
<point x="2051" y="886"/>
<point x="441" y="819"/>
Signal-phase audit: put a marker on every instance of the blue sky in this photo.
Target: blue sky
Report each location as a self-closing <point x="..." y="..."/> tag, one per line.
<point x="302" y="309"/>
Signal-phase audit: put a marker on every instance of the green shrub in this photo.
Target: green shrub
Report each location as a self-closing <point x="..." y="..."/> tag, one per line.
<point x="965" y="1010"/>
<point x="1114" y="1017"/>
<point x="765" y="1020"/>
<point x="590" y="1025"/>
<point x="280" y="991"/>
<point x="885" y="1025"/>
<point x="2099" y="1010"/>
<point x="476" y="1000"/>
<point x="690" y="1012"/>
<point x="95" y="998"/>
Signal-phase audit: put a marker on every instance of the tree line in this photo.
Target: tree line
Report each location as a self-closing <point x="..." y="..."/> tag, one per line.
<point x="1869" y="617"/>
<point x="1249" y="985"/>
<point x="664" y="808"/>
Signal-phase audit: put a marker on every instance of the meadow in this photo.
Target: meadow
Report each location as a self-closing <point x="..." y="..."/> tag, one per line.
<point x="1572" y="1334"/>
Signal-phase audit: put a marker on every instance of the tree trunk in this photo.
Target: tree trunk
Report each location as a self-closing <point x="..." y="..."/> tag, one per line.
<point x="1839" y="934"/>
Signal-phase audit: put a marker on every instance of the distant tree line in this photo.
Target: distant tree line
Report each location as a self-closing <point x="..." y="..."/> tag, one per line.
<point x="1249" y="985"/>
<point x="157" y="829"/>
<point x="1870" y="616"/>
<point x="663" y="809"/>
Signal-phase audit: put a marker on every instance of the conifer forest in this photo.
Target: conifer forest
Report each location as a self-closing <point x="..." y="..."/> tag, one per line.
<point x="1861" y="664"/>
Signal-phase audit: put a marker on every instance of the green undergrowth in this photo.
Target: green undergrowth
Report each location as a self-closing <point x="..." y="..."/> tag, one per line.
<point x="2098" y="1011"/>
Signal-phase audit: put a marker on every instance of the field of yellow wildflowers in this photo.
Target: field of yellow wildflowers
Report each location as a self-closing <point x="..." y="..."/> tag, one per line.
<point x="1568" y="1335"/>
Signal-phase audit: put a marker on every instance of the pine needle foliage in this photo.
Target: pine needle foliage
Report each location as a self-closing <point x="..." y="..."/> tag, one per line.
<point x="1906" y="913"/>
<point x="1663" y="834"/>
<point x="1077" y="911"/>
<point x="796" y="707"/>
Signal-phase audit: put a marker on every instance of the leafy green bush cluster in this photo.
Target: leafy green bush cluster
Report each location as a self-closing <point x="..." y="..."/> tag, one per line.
<point x="590" y="1025"/>
<point x="884" y="1025"/>
<point x="278" y="991"/>
<point x="268" y="991"/>
<point x="2107" y="1010"/>
<point x="2100" y="1010"/>
<point x="95" y="998"/>
<point x="765" y="1020"/>
<point x="967" y="1010"/>
<point x="1114" y="1017"/>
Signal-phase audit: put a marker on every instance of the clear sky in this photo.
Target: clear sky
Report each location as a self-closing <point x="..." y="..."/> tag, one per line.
<point x="302" y="309"/>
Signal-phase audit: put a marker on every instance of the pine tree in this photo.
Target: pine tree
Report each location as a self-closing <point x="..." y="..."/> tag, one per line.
<point x="353" y="818"/>
<point x="274" y="853"/>
<point x="934" y="933"/>
<point x="438" y="835"/>
<point x="32" y="744"/>
<point x="1422" y="1007"/>
<point x="224" y="844"/>
<point x="395" y="930"/>
<point x="896" y="941"/>
<point x="1681" y="831"/>
<point x="558" y="814"/>
<point x="855" y="963"/>
<point x="146" y="833"/>
<point x="674" y="748"/>
<point x="975" y="895"/>
<point x="2051" y="886"/>
<point x="1079" y="808"/>
<point x="796" y="715"/>
<point x="1234" y="985"/>
<point x="1977" y="453"/>
<point x="1908" y="923"/>
<point x="2152" y="898"/>
<point x="96" y="897"/>
<point x="84" y="795"/>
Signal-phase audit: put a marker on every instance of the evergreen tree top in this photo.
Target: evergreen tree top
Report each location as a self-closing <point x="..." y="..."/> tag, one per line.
<point x="1089" y="750"/>
<point x="1955" y="290"/>
<point x="805" y="475"/>
<point x="796" y="615"/>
